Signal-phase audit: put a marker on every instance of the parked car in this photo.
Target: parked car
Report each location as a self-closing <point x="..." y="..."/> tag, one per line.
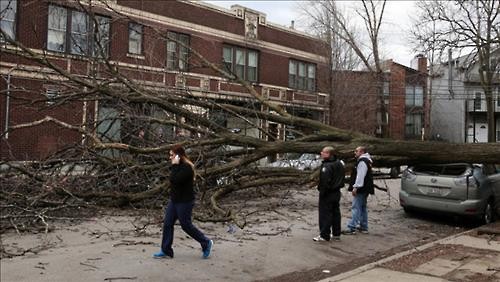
<point x="460" y="189"/>
<point x="304" y="162"/>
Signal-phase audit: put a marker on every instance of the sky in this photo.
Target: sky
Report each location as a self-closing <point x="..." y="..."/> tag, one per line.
<point x="394" y="27"/>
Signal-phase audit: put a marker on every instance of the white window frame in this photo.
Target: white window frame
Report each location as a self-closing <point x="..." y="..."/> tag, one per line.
<point x="477" y="101"/>
<point x="93" y="35"/>
<point x="52" y="94"/>
<point x="178" y="55"/>
<point x="302" y="75"/>
<point x="242" y="62"/>
<point x="8" y="14"/>
<point x="411" y="129"/>
<point x="135" y="38"/>
<point x="414" y="96"/>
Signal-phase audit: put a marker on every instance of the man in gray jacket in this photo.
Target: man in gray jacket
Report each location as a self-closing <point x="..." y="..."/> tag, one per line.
<point x="361" y="185"/>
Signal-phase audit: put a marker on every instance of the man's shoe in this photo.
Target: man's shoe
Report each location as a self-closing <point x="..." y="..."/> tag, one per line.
<point x="349" y="232"/>
<point x="161" y="254"/>
<point x="319" y="239"/>
<point x="335" y="238"/>
<point x="206" y="252"/>
<point x="363" y="231"/>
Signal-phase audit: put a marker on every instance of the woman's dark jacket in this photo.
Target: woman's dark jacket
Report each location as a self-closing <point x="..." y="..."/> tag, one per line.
<point x="181" y="183"/>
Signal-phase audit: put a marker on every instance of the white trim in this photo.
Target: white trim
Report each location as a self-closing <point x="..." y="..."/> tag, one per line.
<point x="42" y="72"/>
<point x="221" y="94"/>
<point x="135" y="56"/>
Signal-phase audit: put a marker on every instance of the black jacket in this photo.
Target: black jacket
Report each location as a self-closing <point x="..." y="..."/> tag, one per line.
<point x="368" y="181"/>
<point x="331" y="176"/>
<point x="181" y="183"/>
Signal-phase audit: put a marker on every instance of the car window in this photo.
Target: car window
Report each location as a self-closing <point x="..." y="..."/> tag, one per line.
<point x="457" y="169"/>
<point x="428" y="169"/>
<point x="442" y="169"/>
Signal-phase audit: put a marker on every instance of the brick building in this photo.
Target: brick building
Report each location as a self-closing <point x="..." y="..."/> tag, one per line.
<point x="356" y="102"/>
<point x="281" y="63"/>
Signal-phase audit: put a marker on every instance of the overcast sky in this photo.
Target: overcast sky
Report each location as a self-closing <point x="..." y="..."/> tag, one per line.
<point x="394" y="35"/>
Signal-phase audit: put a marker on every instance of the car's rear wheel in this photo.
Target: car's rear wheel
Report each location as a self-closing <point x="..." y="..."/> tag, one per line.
<point x="407" y="211"/>
<point x="394" y="172"/>
<point x="489" y="213"/>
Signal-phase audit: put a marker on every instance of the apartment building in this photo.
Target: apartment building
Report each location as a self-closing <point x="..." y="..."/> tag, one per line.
<point x="393" y="104"/>
<point x="150" y="42"/>
<point x="458" y="106"/>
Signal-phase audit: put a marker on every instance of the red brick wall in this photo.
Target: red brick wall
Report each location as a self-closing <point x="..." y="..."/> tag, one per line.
<point x="32" y="26"/>
<point x="190" y="13"/>
<point x="32" y="32"/>
<point x="37" y="142"/>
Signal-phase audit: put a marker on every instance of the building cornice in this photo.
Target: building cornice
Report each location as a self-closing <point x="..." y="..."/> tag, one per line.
<point x="196" y="28"/>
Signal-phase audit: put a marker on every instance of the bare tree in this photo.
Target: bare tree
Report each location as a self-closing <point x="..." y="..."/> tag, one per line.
<point x="103" y="166"/>
<point x="345" y="39"/>
<point x="464" y="26"/>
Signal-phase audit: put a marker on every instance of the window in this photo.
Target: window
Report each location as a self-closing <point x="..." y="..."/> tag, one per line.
<point x="79" y="33"/>
<point x="301" y="75"/>
<point x="498" y="97"/>
<point x="75" y="32"/>
<point x="56" y="36"/>
<point x="51" y="95"/>
<point x="177" y="54"/>
<point x="243" y="63"/>
<point x="8" y="9"/>
<point x="386" y="92"/>
<point x="477" y="101"/>
<point x="413" y="124"/>
<point x="101" y="36"/>
<point x="134" y="38"/>
<point x="414" y="96"/>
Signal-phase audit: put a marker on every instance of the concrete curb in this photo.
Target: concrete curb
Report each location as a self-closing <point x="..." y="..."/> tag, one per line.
<point x="374" y="264"/>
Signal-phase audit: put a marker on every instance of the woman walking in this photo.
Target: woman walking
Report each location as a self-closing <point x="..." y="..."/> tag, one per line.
<point x="181" y="205"/>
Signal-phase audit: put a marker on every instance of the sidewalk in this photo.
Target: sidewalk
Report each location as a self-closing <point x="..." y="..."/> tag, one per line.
<point x="473" y="255"/>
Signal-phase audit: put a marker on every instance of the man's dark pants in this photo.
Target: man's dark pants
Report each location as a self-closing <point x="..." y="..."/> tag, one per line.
<point x="329" y="214"/>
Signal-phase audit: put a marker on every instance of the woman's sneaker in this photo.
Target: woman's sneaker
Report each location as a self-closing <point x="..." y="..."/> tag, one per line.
<point x="206" y="252"/>
<point x="161" y="254"/>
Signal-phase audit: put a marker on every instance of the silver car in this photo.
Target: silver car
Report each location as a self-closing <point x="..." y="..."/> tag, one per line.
<point x="460" y="189"/>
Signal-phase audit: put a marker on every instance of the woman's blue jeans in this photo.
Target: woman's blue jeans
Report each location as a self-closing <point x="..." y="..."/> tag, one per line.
<point x="183" y="212"/>
<point x="359" y="213"/>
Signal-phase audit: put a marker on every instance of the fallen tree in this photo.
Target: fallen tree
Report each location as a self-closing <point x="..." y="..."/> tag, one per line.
<point x="103" y="170"/>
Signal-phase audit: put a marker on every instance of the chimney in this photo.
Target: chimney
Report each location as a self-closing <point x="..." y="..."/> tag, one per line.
<point x="421" y="63"/>
<point x="292" y="24"/>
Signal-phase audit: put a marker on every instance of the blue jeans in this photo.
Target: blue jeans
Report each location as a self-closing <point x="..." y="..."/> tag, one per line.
<point x="183" y="212"/>
<point x="359" y="213"/>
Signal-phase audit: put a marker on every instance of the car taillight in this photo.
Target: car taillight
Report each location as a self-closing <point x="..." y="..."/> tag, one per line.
<point x="408" y="175"/>
<point x="473" y="182"/>
<point x="461" y="181"/>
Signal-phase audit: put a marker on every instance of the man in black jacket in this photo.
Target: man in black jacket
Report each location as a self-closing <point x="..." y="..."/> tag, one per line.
<point x="331" y="179"/>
